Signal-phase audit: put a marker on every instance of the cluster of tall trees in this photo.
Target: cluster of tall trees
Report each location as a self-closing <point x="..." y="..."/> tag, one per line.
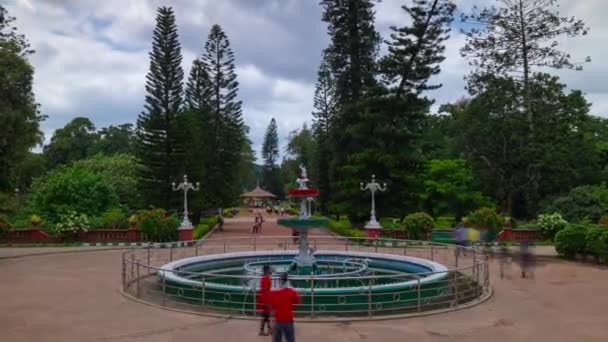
<point x="519" y="139"/>
<point x="198" y="130"/>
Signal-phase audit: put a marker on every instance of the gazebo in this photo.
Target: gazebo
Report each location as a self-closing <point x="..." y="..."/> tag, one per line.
<point x="257" y="194"/>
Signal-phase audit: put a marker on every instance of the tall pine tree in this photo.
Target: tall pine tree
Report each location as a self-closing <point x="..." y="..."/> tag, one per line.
<point x="351" y="56"/>
<point x="157" y="129"/>
<point x="325" y="109"/>
<point x="416" y="50"/>
<point x="226" y="132"/>
<point x="270" y="154"/>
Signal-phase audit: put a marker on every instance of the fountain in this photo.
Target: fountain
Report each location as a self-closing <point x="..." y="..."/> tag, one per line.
<point x="331" y="282"/>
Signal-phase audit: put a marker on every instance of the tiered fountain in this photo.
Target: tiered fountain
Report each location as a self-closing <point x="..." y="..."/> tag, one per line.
<point x="331" y="282"/>
<point x="304" y="262"/>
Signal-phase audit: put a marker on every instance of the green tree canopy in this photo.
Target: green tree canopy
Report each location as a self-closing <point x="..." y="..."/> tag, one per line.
<point x="76" y="140"/>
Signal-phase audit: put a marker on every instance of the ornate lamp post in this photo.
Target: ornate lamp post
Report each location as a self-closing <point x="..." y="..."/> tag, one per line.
<point x="373" y="226"/>
<point x="185" y="186"/>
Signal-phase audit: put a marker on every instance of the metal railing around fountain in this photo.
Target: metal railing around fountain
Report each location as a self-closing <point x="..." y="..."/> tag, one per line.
<point x="466" y="281"/>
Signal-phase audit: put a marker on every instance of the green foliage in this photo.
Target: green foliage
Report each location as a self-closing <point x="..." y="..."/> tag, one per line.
<point x="114" y="218"/>
<point x="35" y="220"/>
<point x="158" y="225"/>
<point x="223" y="131"/>
<point x="390" y="223"/>
<point x="70" y="222"/>
<point x="417" y="224"/>
<point x="120" y="172"/>
<point x="596" y="241"/>
<point x="270" y="153"/>
<point x="19" y="115"/>
<point x="445" y="222"/>
<point x="75" y="141"/>
<point x="571" y="240"/>
<point x="486" y="219"/>
<point x="158" y="136"/>
<point x="71" y="189"/>
<point x="5" y="224"/>
<point x="551" y="224"/>
<point x="449" y="188"/>
<point x="343" y="227"/>
<point x="583" y="202"/>
<point x="116" y="140"/>
<point x="200" y="230"/>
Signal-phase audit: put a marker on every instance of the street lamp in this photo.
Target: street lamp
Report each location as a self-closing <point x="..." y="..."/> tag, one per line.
<point x="373" y="186"/>
<point x="185" y="186"/>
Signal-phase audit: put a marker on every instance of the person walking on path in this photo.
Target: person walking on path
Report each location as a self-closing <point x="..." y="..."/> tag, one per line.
<point x="263" y="301"/>
<point x="282" y="302"/>
<point x="503" y="259"/>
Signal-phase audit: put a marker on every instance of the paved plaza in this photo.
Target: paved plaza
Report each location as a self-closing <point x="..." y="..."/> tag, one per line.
<point x="75" y="296"/>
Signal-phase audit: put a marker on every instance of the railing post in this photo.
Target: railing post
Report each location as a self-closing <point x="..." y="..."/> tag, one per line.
<point x="164" y="287"/>
<point x="404" y="248"/>
<point x="315" y="244"/>
<point x="376" y="246"/>
<point x="254" y="300"/>
<point x="457" y="256"/>
<point x="312" y="296"/>
<point x="254" y="244"/>
<point x="124" y="273"/>
<point x="170" y="252"/>
<point x="432" y="251"/>
<point x="137" y="279"/>
<point x="203" y="291"/>
<point x="196" y="249"/>
<point x="369" y="297"/>
<point x="455" y="277"/>
<point x="284" y="245"/>
<point x="148" y="259"/>
<point x="132" y="264"/>
<point x="224" y="245"/>
<point x="419" y="296"/>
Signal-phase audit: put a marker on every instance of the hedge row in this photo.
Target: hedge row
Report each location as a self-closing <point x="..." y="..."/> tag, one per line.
<point x="204" y="226"/>
<point x="343" y="227"/>
<point x="582" y="239"/>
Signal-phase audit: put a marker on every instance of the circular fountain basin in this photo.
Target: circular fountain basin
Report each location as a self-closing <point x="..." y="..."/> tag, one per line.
<point x="344" y="283"/>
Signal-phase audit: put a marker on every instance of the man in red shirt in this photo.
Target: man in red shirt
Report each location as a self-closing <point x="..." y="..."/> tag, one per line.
<point x="263" y="300"/>
<point x="282" y="301"/>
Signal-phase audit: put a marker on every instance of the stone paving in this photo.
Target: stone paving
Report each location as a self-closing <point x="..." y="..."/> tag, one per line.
<point x="74" y="297"/>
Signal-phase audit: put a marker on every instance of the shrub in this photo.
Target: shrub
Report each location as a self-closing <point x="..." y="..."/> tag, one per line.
<point x="593" y="241"/>
<point x="485" y="219"/>
<point x="200" y="230"/>
<point x="551" y="224"/>
<point x="571" y="240"/>
<point x="5" y="225"/>
<point x="69" y="189"/>
<point x="417" y="224"/>
<point x="390" y="223"/>
<point x="71" y="222"/>
<point x="114" y="218"/>
<point x="158" y="225"/>
<point x="583" y="202"/>
<point x="343" y="227"/>
<point x="604" y="220"/>
<point x="97" y="222"/>
<point x="35" y="220"/>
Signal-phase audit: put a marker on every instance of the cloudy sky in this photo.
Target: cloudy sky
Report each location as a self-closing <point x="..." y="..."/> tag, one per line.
<point x="92" y="56"/>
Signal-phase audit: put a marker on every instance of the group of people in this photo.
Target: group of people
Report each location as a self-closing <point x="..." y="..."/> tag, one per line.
<point x="279" y="302"/>
<point x="527" y="260"/>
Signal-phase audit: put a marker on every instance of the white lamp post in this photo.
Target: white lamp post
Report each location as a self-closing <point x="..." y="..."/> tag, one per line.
<point x="185" y="186"/>
<point x="373" y="186"/>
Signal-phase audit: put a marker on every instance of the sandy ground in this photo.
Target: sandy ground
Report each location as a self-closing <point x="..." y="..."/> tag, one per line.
<point x="75" y="297"/>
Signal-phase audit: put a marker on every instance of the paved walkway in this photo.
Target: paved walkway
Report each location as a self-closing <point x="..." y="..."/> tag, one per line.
<point x="74" y="297"/>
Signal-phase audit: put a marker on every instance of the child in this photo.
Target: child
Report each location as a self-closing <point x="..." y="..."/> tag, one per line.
<point x="263" y="305"/>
